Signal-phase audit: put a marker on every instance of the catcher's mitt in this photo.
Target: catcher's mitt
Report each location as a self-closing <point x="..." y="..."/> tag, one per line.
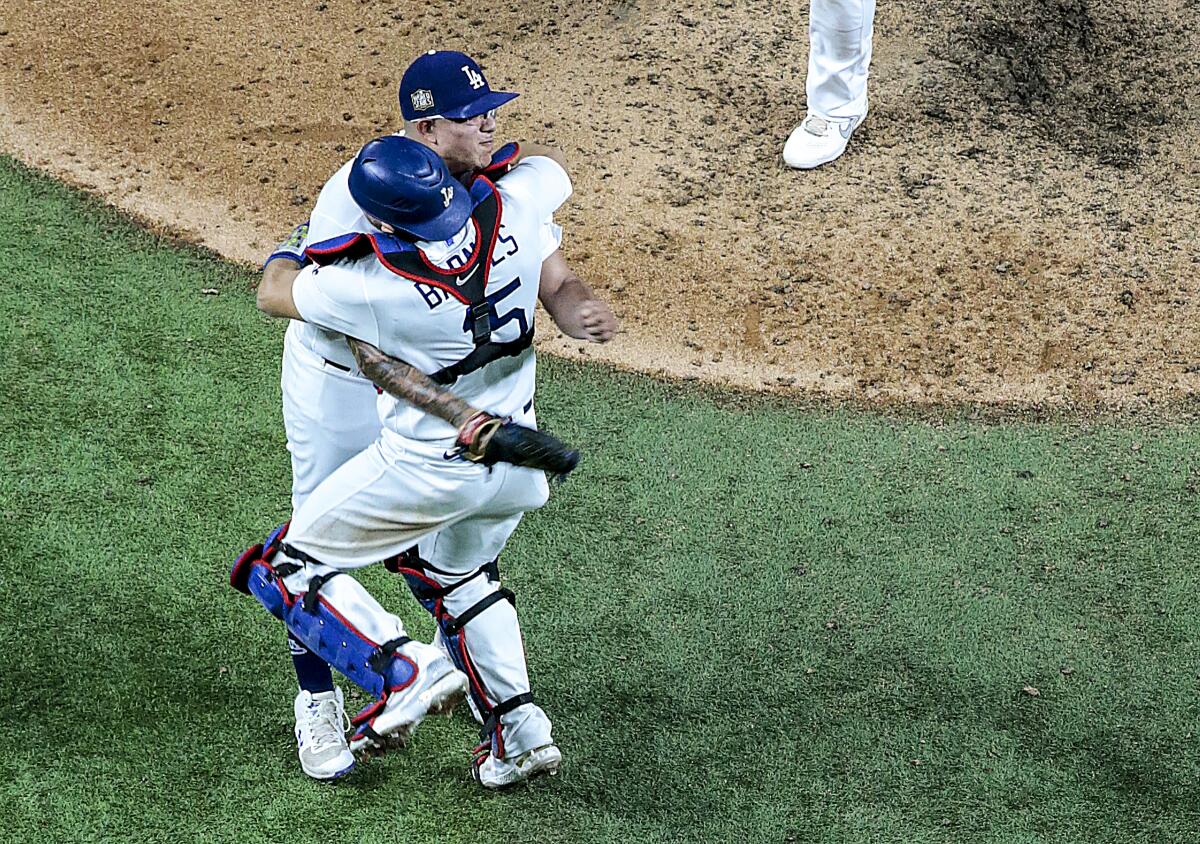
<point x="489" y="440"/>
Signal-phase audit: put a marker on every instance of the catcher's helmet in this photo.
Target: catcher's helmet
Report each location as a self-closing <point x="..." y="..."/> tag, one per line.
<point x="406" y="185"/>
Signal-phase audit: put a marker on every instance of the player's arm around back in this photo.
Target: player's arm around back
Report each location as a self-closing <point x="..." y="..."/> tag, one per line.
<point x="279" y="293"/>
<point x="279" y="275"/>
<point x="390" y="374"/>
<point x="275" y="289"/>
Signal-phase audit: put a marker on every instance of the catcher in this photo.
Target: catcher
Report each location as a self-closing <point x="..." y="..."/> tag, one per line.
<point x="440" y="300"/>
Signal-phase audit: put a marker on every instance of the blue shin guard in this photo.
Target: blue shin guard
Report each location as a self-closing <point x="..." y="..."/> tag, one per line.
<point x="377" y="667"/>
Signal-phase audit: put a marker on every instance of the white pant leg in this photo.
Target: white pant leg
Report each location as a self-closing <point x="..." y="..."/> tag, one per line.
<point x="388" y="497"/>
<point x="329" y="416"/>
<point x="839" y="55"/>
<point x="491" y="651"/>
<point x="490" y="647"/>
<point x="472" y="543"/>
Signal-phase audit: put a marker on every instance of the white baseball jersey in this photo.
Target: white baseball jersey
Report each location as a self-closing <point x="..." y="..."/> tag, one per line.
<point x="425" y="326"/>
<point x="336" y="214"/>
<point x="329" y="409"/>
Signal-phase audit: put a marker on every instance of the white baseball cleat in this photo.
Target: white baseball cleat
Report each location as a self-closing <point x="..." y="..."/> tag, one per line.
<point x="491" y="772"/>
<point x="819" y="140"/>
<point x="320" y="735"/>
<point x="387" y="724"/>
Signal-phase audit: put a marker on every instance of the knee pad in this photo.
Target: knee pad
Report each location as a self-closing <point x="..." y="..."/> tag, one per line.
<point x="262" y="552"/>
<point x="252" y="573"/>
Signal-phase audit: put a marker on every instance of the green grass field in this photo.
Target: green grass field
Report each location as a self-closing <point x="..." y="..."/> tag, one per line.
<point x="750" y="621"/>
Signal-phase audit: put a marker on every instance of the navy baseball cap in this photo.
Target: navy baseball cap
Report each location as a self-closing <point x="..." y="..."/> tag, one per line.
<point x="446" y="83"/>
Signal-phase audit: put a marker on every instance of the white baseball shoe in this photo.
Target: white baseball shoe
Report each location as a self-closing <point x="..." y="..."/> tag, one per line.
<point x="819" y="140"/>
<point x="388" y="724"/>
<point x="491" y="772"/>
<point x="321" y="735"/>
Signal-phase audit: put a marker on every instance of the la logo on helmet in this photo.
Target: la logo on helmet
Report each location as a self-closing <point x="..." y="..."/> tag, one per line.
<point x="474" y="78"/>
<point x="447" y="196"/>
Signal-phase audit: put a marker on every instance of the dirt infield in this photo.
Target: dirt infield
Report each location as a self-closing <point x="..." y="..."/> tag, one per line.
<point x="1015" y="223"/>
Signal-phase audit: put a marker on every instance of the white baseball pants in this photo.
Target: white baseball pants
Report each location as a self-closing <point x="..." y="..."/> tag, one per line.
<point x="329" y="415"/>
<point x="396" y="493"/>
<point x="839" y="54"/>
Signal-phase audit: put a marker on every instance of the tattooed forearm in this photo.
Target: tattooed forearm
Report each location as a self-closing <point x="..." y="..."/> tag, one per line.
<point x="406" y="382"/>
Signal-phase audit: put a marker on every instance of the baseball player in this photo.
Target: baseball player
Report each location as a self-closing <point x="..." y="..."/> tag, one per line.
<point x="459" y="306"/>
<point x="839" y="54"/>
<point x="329" y="407"/>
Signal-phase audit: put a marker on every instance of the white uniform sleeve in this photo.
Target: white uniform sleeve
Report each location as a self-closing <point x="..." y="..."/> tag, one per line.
<point x="551" y="237"/>
<point x="334" y="298"/>
<point x="539" y="182"/>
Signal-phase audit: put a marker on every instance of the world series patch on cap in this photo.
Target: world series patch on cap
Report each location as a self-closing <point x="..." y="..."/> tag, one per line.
<point x="447" y="83"/>
<point x="422" y="100"/>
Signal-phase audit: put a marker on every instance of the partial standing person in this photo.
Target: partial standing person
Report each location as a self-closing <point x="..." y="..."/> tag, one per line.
<point x="839" y="56"/>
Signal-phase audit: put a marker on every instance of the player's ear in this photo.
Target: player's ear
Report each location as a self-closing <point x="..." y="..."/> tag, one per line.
<point x="427" y="132"/>
<point x="380" y="224"/>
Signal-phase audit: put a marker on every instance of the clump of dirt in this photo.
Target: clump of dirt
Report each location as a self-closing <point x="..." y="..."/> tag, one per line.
<point x="1094" y="76"/>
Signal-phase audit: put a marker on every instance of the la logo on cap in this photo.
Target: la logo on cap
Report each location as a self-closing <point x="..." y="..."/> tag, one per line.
<point x="473" y="77"/>
<point x="422" y="99"/>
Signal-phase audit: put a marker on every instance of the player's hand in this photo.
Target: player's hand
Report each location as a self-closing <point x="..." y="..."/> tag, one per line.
<point x="292" y="248"/>
<point x="598" y="321"/>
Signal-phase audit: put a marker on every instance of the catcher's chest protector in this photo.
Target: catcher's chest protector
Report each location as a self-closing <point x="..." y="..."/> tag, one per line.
<point x="467" y="284"/>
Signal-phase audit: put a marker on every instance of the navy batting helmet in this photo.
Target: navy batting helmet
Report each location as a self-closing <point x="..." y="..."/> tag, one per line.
<point x="406" y="185"/>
